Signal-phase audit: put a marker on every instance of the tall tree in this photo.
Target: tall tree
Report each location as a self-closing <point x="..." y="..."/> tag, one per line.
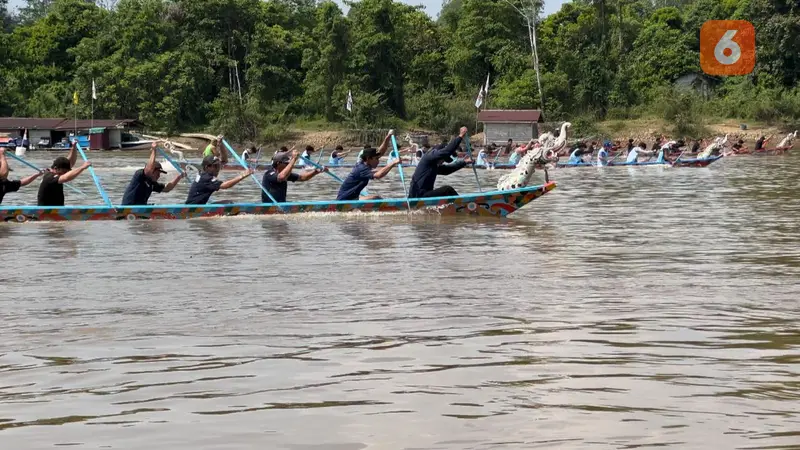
<point x="326" y="60"/>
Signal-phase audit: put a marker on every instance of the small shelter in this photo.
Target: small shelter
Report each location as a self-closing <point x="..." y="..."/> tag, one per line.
<point x="99" y="133"/>
<point x="500" y="125"/>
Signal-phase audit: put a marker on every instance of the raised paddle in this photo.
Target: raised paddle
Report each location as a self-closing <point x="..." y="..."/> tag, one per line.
<point x="469" y="152"/>
<point x="94" y="176"/>
<point x="253" y="176"/>
<point x="173" y="164"/>
<point x="400" y="171"/>
<point x="21" y="160"/>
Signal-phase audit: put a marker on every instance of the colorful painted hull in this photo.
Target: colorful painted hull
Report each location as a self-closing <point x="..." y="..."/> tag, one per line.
<point x="496" y="203"/>
<point x="681" y="163"/>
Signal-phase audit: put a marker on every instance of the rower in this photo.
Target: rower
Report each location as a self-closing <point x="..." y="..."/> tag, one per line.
<point x="363" y="172"/>
<point x="576" y="157"/>
<point x="602" y="155"/>
<point x="633" y="154"/>
<point x="145" y="181"/>
<point x="7" y="185"/>
<point x="337" y="156"/>
<point x="481" y="160"/>
<point x="207" y="182"/>
<point x="276" y="179"/>
<point x="51" y="190"/>
<point x="760" y="143"/>
<point x="250" y="151"/>
<point x="214" y="149"/>
<point x="739" y="147"/>
<point x="433" y="164"/>
<point x="306" y="155"/>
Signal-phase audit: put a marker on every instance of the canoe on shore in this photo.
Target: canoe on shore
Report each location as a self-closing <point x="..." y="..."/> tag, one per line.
<point x="495" y="203"/>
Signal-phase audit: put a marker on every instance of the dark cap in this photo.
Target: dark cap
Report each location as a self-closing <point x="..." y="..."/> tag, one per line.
<point x="157" y="166"/>
<point x="210" y="160"/>
<point x="61" y="163"/>
<point x="281" y="158"/>
<point x="368" y="153"/>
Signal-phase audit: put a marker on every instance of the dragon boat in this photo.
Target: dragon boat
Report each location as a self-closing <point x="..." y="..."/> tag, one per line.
<point x="499" y="203"/>
<point x="694" y="162"/>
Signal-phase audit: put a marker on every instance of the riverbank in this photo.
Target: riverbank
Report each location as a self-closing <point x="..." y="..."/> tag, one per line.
<point x="622" y="130"/>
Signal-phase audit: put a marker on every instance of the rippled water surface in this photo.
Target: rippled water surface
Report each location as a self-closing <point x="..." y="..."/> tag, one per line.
<point x="630" y="307"/>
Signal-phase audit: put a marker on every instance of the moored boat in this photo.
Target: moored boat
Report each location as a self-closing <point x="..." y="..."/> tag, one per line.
<point x="495" y="203"/>
<point x="693" y="162"/>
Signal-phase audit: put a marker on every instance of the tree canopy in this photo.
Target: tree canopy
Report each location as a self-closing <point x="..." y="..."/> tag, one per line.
<point x="247" y="65"/>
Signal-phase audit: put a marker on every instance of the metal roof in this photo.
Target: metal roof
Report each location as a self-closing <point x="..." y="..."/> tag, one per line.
<point x="510" y="116"/>
<point x="32" y="123"/>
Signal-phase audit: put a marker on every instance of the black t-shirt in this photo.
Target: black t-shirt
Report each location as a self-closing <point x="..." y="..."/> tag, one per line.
<point x="276" y="188"/>
<point x="760" y="143"/>
<point x="201" y="190"/>
<point x="8" y="186"/>
<point x="51" y="192"/>
<point x="140" y="189"/>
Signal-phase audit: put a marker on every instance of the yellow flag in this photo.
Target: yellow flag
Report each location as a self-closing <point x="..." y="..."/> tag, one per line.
<point x="75" y="98"/>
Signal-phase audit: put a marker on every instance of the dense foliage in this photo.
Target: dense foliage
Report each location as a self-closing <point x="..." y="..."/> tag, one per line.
<point x="250" y="67"/>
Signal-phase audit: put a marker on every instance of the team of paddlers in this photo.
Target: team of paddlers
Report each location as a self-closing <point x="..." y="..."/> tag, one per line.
<point x="441" y="160"/>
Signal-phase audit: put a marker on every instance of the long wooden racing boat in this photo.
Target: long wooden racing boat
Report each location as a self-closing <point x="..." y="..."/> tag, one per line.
<point x="495" y="203"/>
<point x="694" y="162"/>
<point x="264" y="166"/>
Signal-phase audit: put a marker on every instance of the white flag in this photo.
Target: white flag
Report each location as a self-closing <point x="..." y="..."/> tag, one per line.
<point x="94" y="91"/>
<point x="479" y="100"/>
<point x="486" y="89"/>
<point x="349" y="105"/>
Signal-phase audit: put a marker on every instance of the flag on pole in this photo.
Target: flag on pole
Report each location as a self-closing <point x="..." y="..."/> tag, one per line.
<point x="349" y="105"/>
<point x="94" y="91"/>
<point x="75" y="97"/>
<point x="479" y="100"/>
<point x="486" y="89"/>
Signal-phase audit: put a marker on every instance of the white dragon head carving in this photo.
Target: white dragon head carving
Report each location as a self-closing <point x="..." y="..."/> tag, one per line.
<point x="541" y="155"/>
<point x="788" y="141"/>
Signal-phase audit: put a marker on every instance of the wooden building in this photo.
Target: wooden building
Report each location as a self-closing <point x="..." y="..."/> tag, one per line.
<point x="500" y="125"/>
<point x="55" y="130"/>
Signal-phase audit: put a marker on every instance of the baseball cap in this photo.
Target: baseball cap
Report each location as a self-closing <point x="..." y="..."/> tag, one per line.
<point x="61" y="163"/>
<point x="210" y="160"/>
<point x="281" y="158"/>
<point x="157" y="166"/>
<point x="368" y="153"/>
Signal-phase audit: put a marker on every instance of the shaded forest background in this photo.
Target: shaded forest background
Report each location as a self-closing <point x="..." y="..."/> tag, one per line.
<point x="252" y="68"/>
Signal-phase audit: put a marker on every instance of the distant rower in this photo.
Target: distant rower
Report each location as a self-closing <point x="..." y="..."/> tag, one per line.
<point x="338" y="156"/>
<point x="7" y="185"/>
<point x="145" y="181"/>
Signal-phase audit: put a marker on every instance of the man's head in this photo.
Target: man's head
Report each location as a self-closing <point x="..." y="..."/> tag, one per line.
<point x="370" y="157"/>
<point x="339" y="148"/>
<point x="309" y="149"/>
<point x="212" y="165"/>
<point x="281" y="160"/>
<point x="61" y="165"/>
<point x="154" y="171"/>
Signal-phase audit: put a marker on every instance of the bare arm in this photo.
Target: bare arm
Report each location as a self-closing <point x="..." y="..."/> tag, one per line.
<point x="3" y="164"/>
<point x="171" y="185"/>
<point x="309" y="174"/>
<point x="73" y="153"/>
<point x="382" y="172"/>
<point x="284" y="175"/>
<point x="385" y="145"/>
<point x="234" y="181"/>
<point x="72" y="174"/>
<point x="29" y="179"/>
<point x="152" y="160"/>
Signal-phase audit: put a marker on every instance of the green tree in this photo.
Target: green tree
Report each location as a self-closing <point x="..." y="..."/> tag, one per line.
<point x="326" y="60"/>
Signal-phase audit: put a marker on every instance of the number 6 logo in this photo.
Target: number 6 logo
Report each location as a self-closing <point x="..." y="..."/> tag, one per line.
<point x="727" y="47"/>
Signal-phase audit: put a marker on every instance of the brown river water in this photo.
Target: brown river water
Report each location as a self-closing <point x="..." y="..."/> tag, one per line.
<point x="628" y="308"/>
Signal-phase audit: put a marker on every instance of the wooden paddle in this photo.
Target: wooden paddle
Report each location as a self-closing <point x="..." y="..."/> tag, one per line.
<point x="400" y="170"/>
<point x="469" y="152"/>
<point x="253" y="176"/>
<point x="21" y="160"/>
<point x="94" y="176"/>
<point x="173" y="164"/>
